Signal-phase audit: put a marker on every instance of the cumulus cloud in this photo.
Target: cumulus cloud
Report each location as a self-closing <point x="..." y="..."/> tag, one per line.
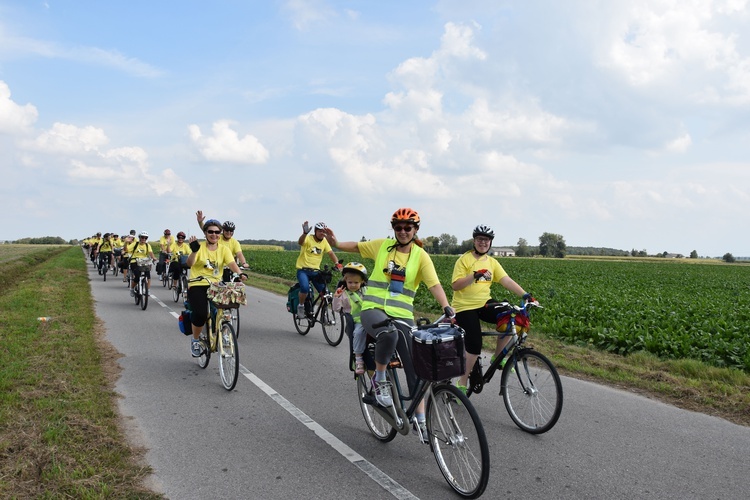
<point x="664" y="42"/>
<point x="69" y="139"/>
<point x="225" y="145"/>
<point x="14" y="118"/>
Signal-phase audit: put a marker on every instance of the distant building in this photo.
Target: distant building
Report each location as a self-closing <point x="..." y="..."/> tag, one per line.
<point x="502" y="252"/>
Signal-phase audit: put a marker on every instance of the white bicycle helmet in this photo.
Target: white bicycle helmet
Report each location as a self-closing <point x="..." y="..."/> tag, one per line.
<point x="143" y="234"/>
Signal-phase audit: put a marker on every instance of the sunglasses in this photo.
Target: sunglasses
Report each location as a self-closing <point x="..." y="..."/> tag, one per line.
<point x="180" y="237"/>
<point x="143" y="237"/>
<point x="229" y="231"/>
<point x="398" y="229"/>
<point x="209" y="231"/>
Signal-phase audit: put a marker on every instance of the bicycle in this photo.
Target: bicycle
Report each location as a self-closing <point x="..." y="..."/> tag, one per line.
<point x="321" y="310"/>
<point x="180" y="286"/>
<point x="103" y="264"/>
<point x="454" y="430"/>
<point x="116" y="255"/>
<point x="218" y="326"/>
<point x="140" y="290"/>
<point x="165" y="276"/>
<point x="529" y="384"/>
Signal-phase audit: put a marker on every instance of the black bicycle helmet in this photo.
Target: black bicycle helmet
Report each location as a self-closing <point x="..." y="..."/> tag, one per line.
<point x="228" y="225"/>
<point x="483" y="230"/>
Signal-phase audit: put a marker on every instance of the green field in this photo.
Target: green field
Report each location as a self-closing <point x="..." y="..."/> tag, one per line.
<point x="669" y="308"/>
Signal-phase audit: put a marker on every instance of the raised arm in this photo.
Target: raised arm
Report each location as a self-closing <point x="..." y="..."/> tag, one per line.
<point x="346" y="246"/>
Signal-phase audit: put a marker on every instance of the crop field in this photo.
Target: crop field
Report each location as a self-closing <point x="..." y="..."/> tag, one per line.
<point x="667" y="307"/>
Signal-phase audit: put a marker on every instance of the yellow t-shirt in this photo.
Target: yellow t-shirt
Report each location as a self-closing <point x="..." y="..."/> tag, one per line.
<point x="105" y="245"/>
<point x="477" y="294"/>
<point x="426" y="274"/>
<point x="164" y="245"/>
<point x="311" y="253"/>
<point x="232" y="244"/>
<point x="117" y="243"/>
<point x="209" y="264"/>
<point x="138" y="251"/>
<point x="178" y="249"/>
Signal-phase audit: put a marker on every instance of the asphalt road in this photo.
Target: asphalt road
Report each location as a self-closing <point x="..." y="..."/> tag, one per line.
<point x="292" y="428"/>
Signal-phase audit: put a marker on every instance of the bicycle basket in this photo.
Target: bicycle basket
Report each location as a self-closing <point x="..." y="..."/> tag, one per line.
<point x="438" y="353"/>
<point x="144" y="264"/>
<point x="227" y="295"/>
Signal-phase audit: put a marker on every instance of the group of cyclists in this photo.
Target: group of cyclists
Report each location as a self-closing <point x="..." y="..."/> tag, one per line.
<point x="216" y="258"/>
<point x="387" y="291"/>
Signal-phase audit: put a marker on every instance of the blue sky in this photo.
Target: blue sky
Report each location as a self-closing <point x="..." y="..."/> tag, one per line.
<point x="621" y="124"/>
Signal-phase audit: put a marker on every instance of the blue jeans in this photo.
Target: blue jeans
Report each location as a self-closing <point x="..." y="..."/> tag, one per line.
<point x="304" y="276"/>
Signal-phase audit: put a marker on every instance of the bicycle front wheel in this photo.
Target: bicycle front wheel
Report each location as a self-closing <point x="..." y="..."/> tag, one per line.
<point x="332" y="331"/>
<point x="176" y="290"/>
<point x="144" y="294"/>
<point x="379" y="427"/>
<point x="532" y="391"/>
<point x="235" y="320"/>
<point x="458" y="441"/>
<point x="229" y="356"/>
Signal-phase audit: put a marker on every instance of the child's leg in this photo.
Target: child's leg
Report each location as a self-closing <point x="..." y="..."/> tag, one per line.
<point x="359" y="340"/>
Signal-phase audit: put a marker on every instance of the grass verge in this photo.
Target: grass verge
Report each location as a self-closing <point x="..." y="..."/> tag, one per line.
<point x="59" y="427"/>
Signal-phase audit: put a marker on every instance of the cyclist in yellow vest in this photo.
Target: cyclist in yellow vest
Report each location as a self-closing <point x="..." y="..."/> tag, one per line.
<point x="312" y="248"/>
<point x="400" y="266"/>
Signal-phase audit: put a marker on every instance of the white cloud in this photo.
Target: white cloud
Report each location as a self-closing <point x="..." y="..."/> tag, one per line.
<point x="225" y="145"/>
<point x="69" y="139"/>
<point x="681" y="44"/>
<point x="304" y="13"/>
<point x="680" y="144"/>
<point x="14" y="119"/>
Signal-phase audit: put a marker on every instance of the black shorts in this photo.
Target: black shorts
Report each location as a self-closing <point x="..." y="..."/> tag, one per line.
<point x="470" y="322"/>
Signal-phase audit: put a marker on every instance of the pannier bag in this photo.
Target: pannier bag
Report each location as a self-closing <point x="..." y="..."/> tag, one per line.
<point x="227" y="295"/>
<point x="292" y="298"/>
<point x="438" y="353"/>
<point x="184" y="323"/>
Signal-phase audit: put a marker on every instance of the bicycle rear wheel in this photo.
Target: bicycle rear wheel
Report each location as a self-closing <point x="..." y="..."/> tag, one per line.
<point x="458" y="441"/>
<point x="332" y="331"/>
<point x="229" y="356"/>
<point x="303" y="325"/>
<point x="532" y="391"/>
<point x="379" y="427"/>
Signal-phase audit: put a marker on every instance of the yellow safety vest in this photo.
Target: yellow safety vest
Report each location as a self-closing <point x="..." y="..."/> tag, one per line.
<point x="379" y="297"/>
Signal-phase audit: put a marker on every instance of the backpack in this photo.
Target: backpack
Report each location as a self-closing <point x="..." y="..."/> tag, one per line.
<point x="292" y="298"/>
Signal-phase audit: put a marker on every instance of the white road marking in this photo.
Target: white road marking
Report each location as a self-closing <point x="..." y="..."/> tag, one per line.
<point x="380" y="477"/>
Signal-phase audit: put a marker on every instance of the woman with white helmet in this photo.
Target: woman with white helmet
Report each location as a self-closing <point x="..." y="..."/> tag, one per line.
<point x="473" y="274"/>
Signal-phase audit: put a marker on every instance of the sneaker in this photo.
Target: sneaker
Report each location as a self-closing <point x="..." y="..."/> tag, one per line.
<point x="132" y="292"/>
<point x="382" y="392"/>
<point x="301" y="311"/>
<point x="359" y="366"/>
<point x="419" y="428"/>
<point x="462" y="388"/>
<point x="195" y="348"/>
<point x="502" y="363"/>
